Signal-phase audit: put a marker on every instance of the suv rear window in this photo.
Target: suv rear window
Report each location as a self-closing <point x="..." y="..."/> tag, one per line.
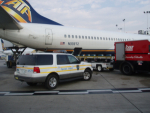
<point x="35" y="60"/>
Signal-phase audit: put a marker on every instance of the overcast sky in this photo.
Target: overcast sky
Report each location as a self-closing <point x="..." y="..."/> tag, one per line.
<point x="96" y="14"/>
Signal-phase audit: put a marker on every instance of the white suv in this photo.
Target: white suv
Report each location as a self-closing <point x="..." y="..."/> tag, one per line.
<point x="50" y="68"/>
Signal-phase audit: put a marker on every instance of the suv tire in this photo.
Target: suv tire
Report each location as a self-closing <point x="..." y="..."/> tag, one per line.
<point x="87" y="75"/>
<point x="51" y="81"/>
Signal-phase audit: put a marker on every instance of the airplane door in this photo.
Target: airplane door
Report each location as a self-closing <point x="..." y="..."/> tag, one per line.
<point x="48" y="37"/>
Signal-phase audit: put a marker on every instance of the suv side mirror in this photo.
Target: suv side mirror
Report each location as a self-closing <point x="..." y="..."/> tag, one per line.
<point x="79" y="61"/>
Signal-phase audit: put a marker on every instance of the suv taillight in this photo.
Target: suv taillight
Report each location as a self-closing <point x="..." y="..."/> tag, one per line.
<point x="36" y="70"/>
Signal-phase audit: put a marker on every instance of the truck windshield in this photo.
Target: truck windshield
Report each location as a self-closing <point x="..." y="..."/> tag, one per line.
<point x="35" y="60"/>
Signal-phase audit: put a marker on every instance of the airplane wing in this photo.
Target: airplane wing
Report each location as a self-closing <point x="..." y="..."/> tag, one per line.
<point x="7" y="21"/>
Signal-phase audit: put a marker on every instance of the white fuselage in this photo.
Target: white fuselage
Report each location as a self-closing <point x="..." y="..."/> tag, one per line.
<point x="43" y="36"/>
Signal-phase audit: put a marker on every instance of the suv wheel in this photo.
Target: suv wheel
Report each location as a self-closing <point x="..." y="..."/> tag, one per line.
<point x="87" y="75"/>
<point x="51" y="81"/>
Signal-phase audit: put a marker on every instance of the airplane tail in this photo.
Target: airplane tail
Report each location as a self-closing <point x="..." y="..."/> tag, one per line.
<point x="23" y="12"/>
<point x="2" y="42"/>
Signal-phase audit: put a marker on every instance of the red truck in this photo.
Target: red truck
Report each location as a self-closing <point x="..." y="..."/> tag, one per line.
<point x="132" y="56"/>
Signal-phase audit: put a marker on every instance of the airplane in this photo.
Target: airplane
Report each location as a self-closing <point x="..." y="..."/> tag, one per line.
<point x="24" y="27"/>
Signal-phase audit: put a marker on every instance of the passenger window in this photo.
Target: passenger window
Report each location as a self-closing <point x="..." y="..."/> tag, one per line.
<point x="44" y="59"/>
<point x="35" y="60"/>
<point x="82" y="37"/>
<point x="62" y="59"/>
<point x="72" y="36"/>
<point x="85" y="37"/>
<point x="68" y="36"/>
<point x="104" y="38"/>
<point x="65" y="36"/>
<point x="27" y="60"/>
<point x="79" y="37"/>
<point x="89" y="37"/>
<point x="72" y="59"/>
<point x="101" y="38"/>
<point x="76" y="36"/>
<point x="97" y="38"/>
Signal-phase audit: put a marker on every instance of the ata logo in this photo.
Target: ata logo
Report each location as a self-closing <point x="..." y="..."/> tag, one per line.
<point x="129" y="48"/>
<point x="1" y="1"/>
<point x="20" y="6"/>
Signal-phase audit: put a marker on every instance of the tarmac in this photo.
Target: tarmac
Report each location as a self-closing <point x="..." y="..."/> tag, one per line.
<point x="106" y="92"/>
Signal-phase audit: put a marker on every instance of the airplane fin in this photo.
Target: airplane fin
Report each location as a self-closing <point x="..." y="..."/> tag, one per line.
<point x="7" y="22"/>
<point x="23" y="12"/>
<point x="2" y="43"/>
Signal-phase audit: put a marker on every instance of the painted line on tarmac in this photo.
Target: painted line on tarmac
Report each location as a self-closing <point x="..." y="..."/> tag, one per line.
<point x="76" y="92"/>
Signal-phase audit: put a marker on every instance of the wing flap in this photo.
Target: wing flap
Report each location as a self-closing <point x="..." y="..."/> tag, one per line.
<point x="7" y="21"/>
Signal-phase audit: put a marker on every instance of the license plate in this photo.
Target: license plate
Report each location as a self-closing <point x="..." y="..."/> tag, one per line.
<point x="23" y="71"/>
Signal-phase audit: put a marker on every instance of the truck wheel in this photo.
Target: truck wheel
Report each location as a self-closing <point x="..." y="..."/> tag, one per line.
<point x="51" y="81"/>
<point x="31" y="84"/>
<point x="126" y="69"/>
<point x="99" y="68"/>
<point x="87" y="75"/>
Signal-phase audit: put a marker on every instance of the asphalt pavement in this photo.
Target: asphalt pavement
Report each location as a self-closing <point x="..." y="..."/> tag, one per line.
<point x="106" y="92"/>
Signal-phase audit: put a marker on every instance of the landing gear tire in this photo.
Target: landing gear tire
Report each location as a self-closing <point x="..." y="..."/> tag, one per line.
<point x="87" y="75"/>
<point x="51" y="81"/>
<point x="126" y="69"/>
<point x="99" y="68"/>
<point x="9" y="64"/>
<point x="31" y="84"/>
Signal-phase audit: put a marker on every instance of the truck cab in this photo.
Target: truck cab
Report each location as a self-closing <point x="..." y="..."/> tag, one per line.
<point x="132" y="56"/>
